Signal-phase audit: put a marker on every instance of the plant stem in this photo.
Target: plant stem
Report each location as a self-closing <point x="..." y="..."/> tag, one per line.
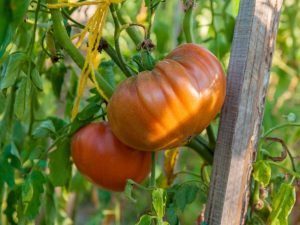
<point x="150" y="13"/>
<point x="124" y="66"/>
<point x="211" y="137"/>
<point x="202" y="149"/>
<point x="31" y="45"/>
<point x="214" y="27"/>
<point x="65" y="14"/>
<point x="278" y="127"/>
<point x="131" y="31"/>
<point x="291" y="172"/>
<point x="112" y="54"/>
<point x="204" y="143"/>
<point x="187" y="172"/>
<point x="152" y="178"/>
<point x="62" y="37"/>
<point x="132" y="182"/>
<point x="188" y="24"/>
<point x="256" y="197"/>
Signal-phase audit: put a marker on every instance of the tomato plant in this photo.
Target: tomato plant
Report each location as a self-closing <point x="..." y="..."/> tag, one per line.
<point x="167" y="106"/>
<point x="59" y="57"/>
<point x="106" y="161"/>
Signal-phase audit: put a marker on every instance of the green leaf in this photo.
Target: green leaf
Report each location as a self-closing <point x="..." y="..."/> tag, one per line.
<point x="185" y="195"/>
<point x="57" y="75"/>
<point x="88" y="112"/>
<point x="78" y="183"/>
<point x="229" y="30"/>
<point x="262" y="172"/>
<point x="37" y="180"/>
<point x="58" y="123"/>
<point x="45" y="129"/>
<point x="60" y="164"/>
<point x="3" y="102"/>
<point x="97" y="219"/>
<point x="235" y="7"/>
<point x="282" y="205"/>
<point x="159" y="202"/>
<point x="12" y="69"/>
<point x="20" y="102"/>
<point x="36" y="79"/>
<point x="106" y="69"/>
<point x="11" y="202"/>
<point x="19" y="8"/>
<point x="50" y="204"/>
<point x="171" y="215"/>
<point x="14" y="151"/>
<point x="27" y="191"/>
<point x="6" y="170"/>
<point x="19" y="134"/>
<point x="147" y="3"/>
<point x="5" y="19"/>
<point x="145" y="220"/>
<point x="104" y="196"/>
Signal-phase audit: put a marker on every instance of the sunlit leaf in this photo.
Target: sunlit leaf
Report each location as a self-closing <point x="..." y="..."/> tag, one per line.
<point x="159" y="202"/>
<point x="262" y="172"/>
<point x="169" y="164"/>
<point x="282" y="205"/>
<point x="145" y="220"/>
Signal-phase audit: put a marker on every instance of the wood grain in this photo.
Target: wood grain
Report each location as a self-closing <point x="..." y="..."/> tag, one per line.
<point x="241" y="117"/>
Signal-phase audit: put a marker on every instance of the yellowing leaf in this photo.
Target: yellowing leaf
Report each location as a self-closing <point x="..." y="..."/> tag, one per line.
<point x="169" y="164"/>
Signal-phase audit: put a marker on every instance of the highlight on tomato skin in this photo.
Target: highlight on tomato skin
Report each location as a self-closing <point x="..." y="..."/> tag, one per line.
<point x="162" y="108"/>
<point x="105" y="160"/>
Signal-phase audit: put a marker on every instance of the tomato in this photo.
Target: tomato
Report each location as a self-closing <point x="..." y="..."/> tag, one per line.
<point x="106" y="161"/>
<point x="164" y="107"/>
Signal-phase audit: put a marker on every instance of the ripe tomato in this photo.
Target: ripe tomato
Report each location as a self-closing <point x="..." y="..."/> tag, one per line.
<point x="106" y="161"/>
<point x="164" y="107"/>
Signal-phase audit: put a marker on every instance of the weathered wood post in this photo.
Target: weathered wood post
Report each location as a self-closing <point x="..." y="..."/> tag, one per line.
<point x="241" y="117"/>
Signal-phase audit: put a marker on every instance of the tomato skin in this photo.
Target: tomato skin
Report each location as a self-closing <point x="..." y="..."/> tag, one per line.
<point x="163" y="108"/>
<point x="106" y="161"/>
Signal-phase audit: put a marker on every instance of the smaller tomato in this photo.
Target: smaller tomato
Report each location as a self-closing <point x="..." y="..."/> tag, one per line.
<point x="105" y="160"/>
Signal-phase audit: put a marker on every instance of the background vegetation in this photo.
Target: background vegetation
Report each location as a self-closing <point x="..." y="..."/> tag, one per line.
<point x="37" y="89"/>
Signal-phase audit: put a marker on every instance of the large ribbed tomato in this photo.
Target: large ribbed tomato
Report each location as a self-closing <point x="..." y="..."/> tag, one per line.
<point x="106" y="161"/>
<point x="162" y="108"/>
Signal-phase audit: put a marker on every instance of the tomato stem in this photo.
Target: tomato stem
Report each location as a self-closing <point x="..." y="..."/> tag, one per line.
<point x="256" y="197"/>
<point x="112" y="54"/>
<point x="152" y="178"/>
<point x="202" y="149"/>
<point x="127" y="71"/>
<point x="290" y="172"/>
<point x="132" y="182"/>
<point x="131" y="31"/>
<point x="187" y="172"/>
<point x="279" y="127"/>
<point x="150" y="14"/>
<point x="188" y="22"/>
<point x="211" y="137"/>
<point x="63" y="39"/>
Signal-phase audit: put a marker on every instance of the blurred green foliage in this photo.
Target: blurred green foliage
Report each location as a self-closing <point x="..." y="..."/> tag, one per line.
<point x="37" y="89"/>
